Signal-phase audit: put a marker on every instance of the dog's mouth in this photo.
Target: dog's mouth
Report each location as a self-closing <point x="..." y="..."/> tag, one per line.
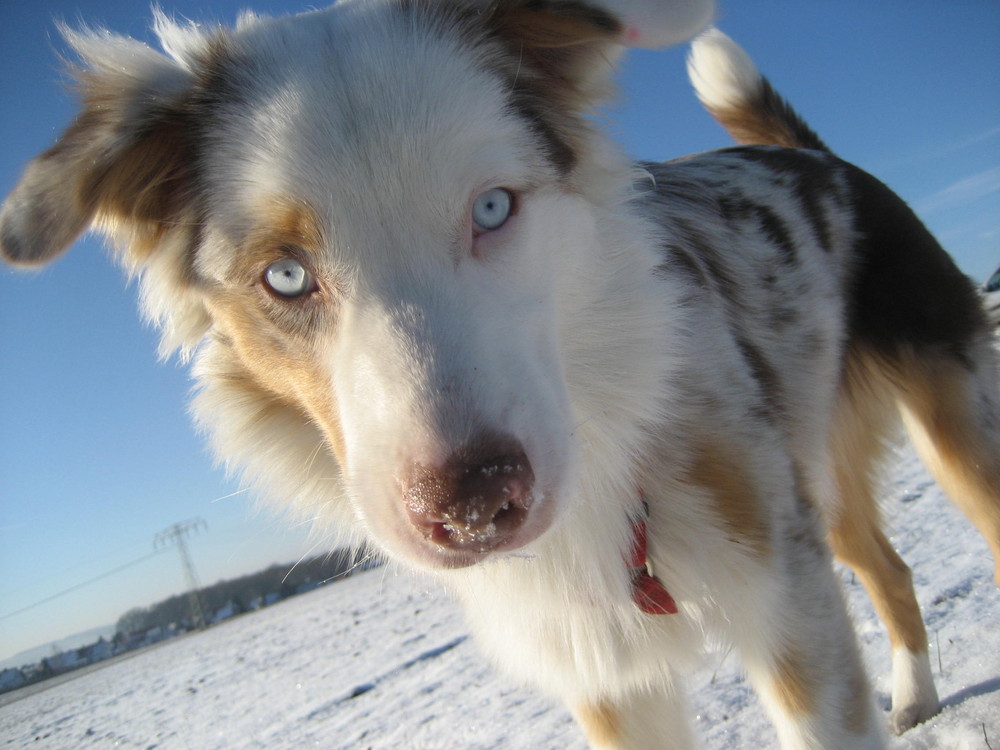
<point x="447" y="545"/>
<point x="469" y="534"/>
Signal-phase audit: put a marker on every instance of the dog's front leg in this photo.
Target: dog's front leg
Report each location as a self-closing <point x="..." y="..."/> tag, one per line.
<point x="799" y="648"/>
<point x="657" y="719"/>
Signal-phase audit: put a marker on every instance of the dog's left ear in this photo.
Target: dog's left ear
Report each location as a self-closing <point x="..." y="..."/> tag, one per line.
<point x="122" y="163"/>
<point x="124" y="166"/>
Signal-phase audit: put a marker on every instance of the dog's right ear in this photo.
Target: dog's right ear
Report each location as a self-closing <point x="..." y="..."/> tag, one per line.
<point x="571" y="45"/>
<point x="122" y="164"/>
<point x="635" y="23"/>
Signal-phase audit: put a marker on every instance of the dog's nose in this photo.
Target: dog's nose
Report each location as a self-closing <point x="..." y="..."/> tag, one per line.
<point x="477" y="500"/>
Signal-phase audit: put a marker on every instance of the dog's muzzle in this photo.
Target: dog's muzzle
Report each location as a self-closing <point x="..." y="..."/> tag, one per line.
<point x="477" y="501"/>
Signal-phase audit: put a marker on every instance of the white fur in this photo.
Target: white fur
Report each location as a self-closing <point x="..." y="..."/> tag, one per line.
<point x="723" y="74"/>
<point x="914" y="696"/>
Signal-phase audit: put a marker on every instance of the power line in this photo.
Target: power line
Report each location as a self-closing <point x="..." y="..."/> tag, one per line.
<point x="71" y="589"/>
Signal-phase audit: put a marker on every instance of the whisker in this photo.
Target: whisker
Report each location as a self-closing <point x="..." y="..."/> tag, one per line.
<point x="231" y="494"/>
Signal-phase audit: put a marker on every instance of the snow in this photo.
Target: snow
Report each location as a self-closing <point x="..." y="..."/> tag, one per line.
<point x="384" y="661"/>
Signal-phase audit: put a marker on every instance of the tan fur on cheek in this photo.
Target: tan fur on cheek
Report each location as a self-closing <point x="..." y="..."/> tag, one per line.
<point x="286" y="365"/>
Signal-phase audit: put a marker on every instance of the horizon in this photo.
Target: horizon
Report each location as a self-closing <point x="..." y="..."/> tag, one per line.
<point x="73" y="641"/>
<point x="97" y="452"/>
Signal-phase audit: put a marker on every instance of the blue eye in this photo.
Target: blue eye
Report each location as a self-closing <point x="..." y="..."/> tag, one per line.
<point x="288" y="277"/>
<point x="491" y="209"/>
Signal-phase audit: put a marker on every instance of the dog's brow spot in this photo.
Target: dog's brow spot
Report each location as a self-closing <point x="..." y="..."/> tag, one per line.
<point x="286" y="223"/>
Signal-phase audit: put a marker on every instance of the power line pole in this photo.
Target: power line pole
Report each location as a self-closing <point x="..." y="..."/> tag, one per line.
<point x="176" y="535"/>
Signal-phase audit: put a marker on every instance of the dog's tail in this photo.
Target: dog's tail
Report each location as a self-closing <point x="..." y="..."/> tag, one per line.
<point x="741" y="99"/>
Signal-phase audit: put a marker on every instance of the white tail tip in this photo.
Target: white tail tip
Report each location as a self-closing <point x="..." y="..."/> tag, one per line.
<point x="723" y="74"/>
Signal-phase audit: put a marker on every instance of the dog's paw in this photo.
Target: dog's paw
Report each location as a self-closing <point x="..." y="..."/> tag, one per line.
<point x="906" y="717"/>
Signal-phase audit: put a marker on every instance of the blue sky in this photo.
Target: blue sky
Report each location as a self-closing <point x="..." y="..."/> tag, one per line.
<point x="97" y="454"/>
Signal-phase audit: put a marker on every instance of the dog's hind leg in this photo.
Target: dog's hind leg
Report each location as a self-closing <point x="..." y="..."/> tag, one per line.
<point x="951" y="408"/>
<point x="922" y="325"/>
<point x="649" y="720"/>
<point x="865" y="414"/>
<point x="861" y="545"/>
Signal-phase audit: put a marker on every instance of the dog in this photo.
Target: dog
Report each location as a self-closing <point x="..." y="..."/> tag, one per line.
<point x="619" y="409"/>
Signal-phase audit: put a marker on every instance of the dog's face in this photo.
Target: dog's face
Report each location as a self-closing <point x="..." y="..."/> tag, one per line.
<point x="370" y="212"/>
<point x="385" y="267"/>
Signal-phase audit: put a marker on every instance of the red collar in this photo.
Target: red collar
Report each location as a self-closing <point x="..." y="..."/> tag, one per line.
<point x="647" y="591"/>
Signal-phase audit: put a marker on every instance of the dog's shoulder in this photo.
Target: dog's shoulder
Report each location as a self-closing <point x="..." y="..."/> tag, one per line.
<point x="742" y="185"/>
<point x="762" y="242"/>
<point x="751" y="217"/>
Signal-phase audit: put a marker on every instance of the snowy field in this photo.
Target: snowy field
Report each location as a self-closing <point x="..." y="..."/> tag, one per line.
<point x="383" y="661"/>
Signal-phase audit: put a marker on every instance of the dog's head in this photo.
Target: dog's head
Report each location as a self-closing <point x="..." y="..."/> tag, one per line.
<point x="370" y="220"/>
